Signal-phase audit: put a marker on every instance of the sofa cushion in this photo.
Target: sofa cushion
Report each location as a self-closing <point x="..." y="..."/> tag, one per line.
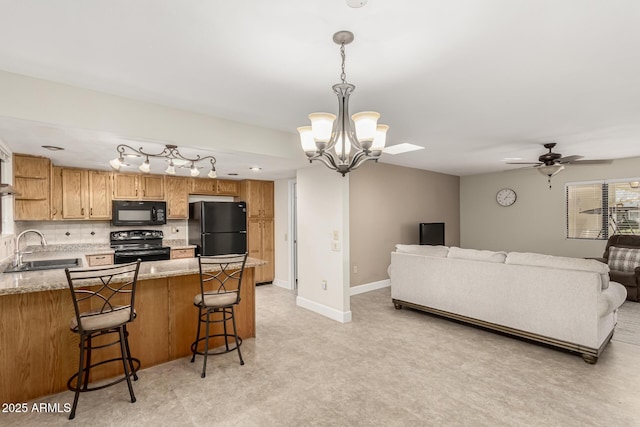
<point x="476" y="255"/>
<point x="427" y="250"/>
<point x="624" y="259"/>
<point x="561" y="262"/>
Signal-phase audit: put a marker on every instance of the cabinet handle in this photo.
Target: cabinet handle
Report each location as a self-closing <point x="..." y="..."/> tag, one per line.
<point x="169" y="211"/>
<point x="144" y="193"/>
<point x="99" y="257"/>
<point x="81" y="211"/>
<point x="90" y="211"/>
<point x="136" y="191"/>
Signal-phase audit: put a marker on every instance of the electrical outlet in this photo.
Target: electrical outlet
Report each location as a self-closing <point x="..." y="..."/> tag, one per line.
<point x="324" y="285"/>
<point x="355" y="269"/>
<point x="336" y="235"/>
<point x="335" y="246"/>
<point x="174" y="230"/>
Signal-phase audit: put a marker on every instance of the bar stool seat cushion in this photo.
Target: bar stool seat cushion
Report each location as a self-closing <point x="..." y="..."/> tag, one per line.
<point x="222" y="299"/>
<point x="106" y="320"/>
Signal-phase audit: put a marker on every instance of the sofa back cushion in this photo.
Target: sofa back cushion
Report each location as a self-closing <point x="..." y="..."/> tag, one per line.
<point x="624" y="259"/>
<point x="427" y="250"/>
<point x="477" y="255"/>
<point x="561" y="262"/>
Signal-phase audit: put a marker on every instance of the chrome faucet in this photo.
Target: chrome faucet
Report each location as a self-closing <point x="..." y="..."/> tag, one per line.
<point x="17" y="260"/>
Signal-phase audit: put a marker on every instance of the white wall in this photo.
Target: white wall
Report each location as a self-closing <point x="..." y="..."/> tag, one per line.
<point x="282" y="233"/>
<point x="68" y="106"/>
<point x="6" y="239"/>
<point x="323" y="208"/>
<point x="536" y="222"/>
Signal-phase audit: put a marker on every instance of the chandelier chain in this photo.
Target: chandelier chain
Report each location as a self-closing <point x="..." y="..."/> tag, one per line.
<point x="343" y="75"/>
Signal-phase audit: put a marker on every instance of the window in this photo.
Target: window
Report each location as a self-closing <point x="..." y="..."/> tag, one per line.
<point x="598" y="209"/>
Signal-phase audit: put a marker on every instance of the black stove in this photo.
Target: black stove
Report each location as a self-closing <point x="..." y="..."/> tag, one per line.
<point x="129" y="245"/>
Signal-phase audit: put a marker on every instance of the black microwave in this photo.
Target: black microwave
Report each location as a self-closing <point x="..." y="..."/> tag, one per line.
<point x="134" y="212"/>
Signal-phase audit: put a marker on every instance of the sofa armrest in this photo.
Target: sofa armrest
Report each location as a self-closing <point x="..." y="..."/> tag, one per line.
<point x="602" y="260"/>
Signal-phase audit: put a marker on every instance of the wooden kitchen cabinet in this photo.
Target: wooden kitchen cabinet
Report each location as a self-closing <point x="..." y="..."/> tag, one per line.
<point x="260" y="225"/>
<point x="226" y="187"/>
<point x="85" y="194"/>
<point x="127" y="186"/>
<point x="183" y="253"/>
<point x="31" y="180"/>
<point x="100" y="259"/>
<point x="259" y="198"/>
<point x="260" y="245"/>
<point x="214" y="187"/>
<point x="151" y="186"/>
<point x="177" y="189"/>
<point x="56" y="193"/>
<point x="74" y="193"/>
<point x="204" y="186"/>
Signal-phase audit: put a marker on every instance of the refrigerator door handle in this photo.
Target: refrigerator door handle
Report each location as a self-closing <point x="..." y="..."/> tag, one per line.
<point x="243" y="231"/>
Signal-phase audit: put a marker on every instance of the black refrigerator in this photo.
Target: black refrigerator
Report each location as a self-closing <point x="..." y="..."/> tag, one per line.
<point x="218" y="228"/>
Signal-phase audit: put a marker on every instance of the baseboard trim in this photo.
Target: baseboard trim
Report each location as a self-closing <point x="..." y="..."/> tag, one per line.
<point x="331" y="313"/>
<point x="368" y="287"/>
<point x="282" y="284"/>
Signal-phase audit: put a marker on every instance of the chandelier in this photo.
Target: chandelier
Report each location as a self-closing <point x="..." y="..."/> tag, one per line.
<point x="170" y="153"/>
<point x="346" y="143"/>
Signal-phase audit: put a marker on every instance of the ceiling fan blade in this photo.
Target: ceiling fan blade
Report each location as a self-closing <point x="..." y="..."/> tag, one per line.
<point x="569" y="159"/>
<point x="592" y="162"/>
<point x="523" y="163"/>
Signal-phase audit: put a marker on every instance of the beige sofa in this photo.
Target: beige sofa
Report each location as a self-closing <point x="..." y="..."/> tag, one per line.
<point x="565" y="302"/>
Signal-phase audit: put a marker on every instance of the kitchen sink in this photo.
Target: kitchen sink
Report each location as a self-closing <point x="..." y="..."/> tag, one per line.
<point x="46" y="264"/>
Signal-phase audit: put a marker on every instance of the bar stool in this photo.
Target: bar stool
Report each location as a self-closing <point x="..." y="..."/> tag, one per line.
<point x="220" y="282"/>
<point x="103" y="299"/>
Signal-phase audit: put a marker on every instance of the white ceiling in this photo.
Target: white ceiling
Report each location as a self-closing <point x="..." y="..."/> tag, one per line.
<point x="473" y="81"/>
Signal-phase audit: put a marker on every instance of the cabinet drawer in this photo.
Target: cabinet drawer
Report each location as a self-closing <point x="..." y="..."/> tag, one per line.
<point x="95" y="260"/>
<point x="183" y="253"/>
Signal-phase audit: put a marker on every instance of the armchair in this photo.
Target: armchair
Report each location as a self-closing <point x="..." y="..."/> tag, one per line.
<point x="630" y="279"/>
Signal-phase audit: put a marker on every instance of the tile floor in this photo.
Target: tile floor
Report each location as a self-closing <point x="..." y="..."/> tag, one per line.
<point x="385" y="368"/>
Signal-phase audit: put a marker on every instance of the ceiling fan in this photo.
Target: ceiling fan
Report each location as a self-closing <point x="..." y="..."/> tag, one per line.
<point x="551" y="163"/>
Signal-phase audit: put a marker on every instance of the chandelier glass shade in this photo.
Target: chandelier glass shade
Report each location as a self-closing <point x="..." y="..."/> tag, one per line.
<point x="343" y="142"/>
<point x="170" y="153"/>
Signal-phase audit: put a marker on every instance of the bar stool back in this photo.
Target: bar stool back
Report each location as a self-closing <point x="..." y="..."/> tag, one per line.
<point x="220" y="282"/>
<point x="103" y="299"/>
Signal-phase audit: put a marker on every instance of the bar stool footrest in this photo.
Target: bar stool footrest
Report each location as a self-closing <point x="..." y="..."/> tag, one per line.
<point x="136" y="368"/>
<point x="216" y="351"/>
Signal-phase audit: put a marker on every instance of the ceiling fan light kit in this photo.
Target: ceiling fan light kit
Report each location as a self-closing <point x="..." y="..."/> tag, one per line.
<point x="343" y="143"/>
<point x="170" y="153"/>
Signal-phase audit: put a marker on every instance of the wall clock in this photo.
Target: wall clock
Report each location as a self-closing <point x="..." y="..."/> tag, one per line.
<point x="506" y="197"/>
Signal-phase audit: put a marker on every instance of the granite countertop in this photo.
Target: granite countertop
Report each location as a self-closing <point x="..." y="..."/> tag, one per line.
<point x="177" y="244"/>
<point x="47" y="280"/>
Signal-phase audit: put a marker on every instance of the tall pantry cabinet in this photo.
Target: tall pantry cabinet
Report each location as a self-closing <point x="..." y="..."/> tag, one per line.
<point x="260" y="225"/>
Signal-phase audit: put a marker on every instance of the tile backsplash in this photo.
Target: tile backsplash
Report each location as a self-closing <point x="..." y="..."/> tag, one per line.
<point x="87" y="232"/>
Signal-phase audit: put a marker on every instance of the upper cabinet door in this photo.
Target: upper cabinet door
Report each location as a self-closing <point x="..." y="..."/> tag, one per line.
<point x="228" y="187"/>
<point x="125" y="186"/>
<point x="152" y="187"/>
<point x="99" y="195"/>
<point x="259" y="198"/>
<point x="204" y="186"/>
<point x="177" y="189"/>
<point x="56" y="193"/>
<point x="74" y="193"/>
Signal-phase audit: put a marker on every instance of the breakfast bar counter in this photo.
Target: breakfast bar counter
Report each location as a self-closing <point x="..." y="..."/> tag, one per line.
<point x="38" y="351"/>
